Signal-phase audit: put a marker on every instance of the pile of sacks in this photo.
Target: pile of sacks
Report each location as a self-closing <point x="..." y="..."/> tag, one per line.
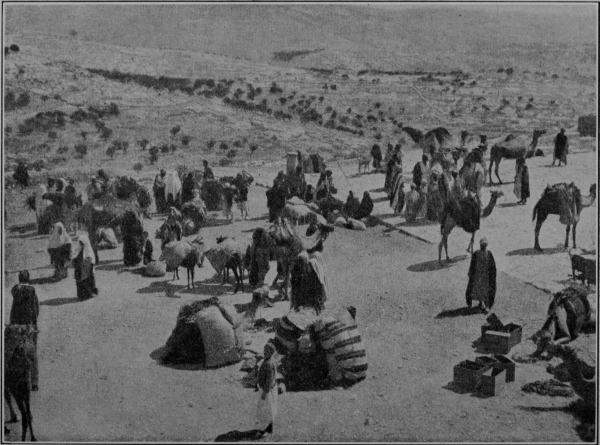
<point x="320" y="351"/>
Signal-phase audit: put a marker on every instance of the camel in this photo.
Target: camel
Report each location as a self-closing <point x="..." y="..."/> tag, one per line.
<point x="473" y="176"/>
<point x="466" y="214"/>
<point x="512" y="148"/>
<point x="184" y="253"/>
<point x="439" y="144"/>
<point x="566" y="201"/>
<point x="285" y="249"/>
<point x="228" y="254"/>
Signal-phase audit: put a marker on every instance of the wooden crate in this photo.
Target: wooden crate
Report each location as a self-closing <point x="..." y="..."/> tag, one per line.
<point x="467" y="374"/>
<point x="503" y="362"/>
<point x="500" y="342"/>
<point x="493" y="381"/>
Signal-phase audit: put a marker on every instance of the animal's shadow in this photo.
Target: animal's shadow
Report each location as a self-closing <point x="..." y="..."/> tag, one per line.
<point x="45" y="280"/>
<point x="585" y="429"/>
<point x="204" y="288"/>
<point x="382" y="199"/>
<point x="113" y="267"/>
<point x="161" y="286"/>
<point x="240" y="436"/>
<point x="530" y="251"/>
<point x="259" y="218"/>
<point x="379" y="190"/>
<point x="460" y="312"/>
<point x="429" y="266"/>
<point x="22" y="228"/>
<point x="415" y="223"/>
<point x="59" y="301"/>
<point x="509" y="204"/>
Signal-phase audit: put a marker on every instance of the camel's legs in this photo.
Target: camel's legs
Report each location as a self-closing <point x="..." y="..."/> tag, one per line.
<point x="470" y="248"/>
<point x="13" y="415"/>
<point x="567" y="236"/>
<point x="237" y="280"/>
<point x="496" y="168"/>
<point x="538" y="225"/>
<point x="492" y="162"/>
<point x="574" y="242"/>
<point x="29" y="420"/>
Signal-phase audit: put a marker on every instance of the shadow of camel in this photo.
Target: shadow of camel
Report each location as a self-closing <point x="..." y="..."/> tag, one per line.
<point x="113" y="267"/>
<point x="259" y="218"/>
<point x="416" y="223"/>
<point x="460" y="312"/>
<point x="206" y="289"/>
<point x="379" y="190"/>
<point x="430" y="266"/>
<point x="240" y="436"/>
<point x="23" y="228"/>
<point x="452" y="386"/>
<point x="531" y="251"/>
<point x="382" y="199"/>
<point x="160" y="286"/>
<point x="59" y="301"/>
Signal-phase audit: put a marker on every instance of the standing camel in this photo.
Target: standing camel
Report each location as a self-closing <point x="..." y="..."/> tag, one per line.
<point x="512" y="148"/>
<point x="465" y="214"/>
<point x="564" y="200"/>
<point x="438" y="144"/>
<point x="472" y="175"/>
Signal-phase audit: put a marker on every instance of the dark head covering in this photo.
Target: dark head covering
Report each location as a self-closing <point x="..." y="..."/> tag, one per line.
<point x="24" y="276"/>
<point x="162" y="172"/>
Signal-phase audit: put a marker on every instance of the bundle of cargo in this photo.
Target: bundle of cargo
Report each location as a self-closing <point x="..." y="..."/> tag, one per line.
<point x="207" y="334"/>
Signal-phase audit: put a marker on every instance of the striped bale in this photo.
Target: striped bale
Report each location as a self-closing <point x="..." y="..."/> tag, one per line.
<point x="291" y="327"/>
<point x="346" y="355"/>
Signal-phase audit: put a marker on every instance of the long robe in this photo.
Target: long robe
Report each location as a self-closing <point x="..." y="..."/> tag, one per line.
<point x="159" y="194"/>
<point x="521" y="188"/>
<point x="413" y="202"/>
<point x="482" y="278"/>
<point x="366" y="206"/>
<point x="24" y="311"/>
<point x="420" y="172"/>
<point x="85" y="280"/>
<point x="435" y="204"/>
<point x="560" y="147"/>
<point x="187" y="189"/>
<point x="59" y="249"/>
<point x="397" y="192"/>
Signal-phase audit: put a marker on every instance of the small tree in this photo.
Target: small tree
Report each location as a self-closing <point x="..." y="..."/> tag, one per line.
<point x="253" y="148"/>
<point x="185" y="140"/>
<point x="211" y="143"/>
<point x="81" y="150"/>
<point x="232" y="153"/>
<point x="143" y="143"/>
<point x="110" y="151"/>
<point x="138" y="166"/>
<point x="153" y="155"/>
<point x="174" y="131"/>
<point x="223" y="146"/>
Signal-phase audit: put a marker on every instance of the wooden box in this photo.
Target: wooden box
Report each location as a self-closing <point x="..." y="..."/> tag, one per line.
<point x="493" y="381"/>
<point x="500" y="342"/>
<point x="467" y="374"/>
<point x="503" y="362"/>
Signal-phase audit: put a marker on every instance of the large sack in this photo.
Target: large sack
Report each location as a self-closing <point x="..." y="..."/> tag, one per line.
<point x="355" y="224"/>
<point x="174" y="252"/>
<point x="291" y="327"/>
<point x="155" y="269"/>
<point x="222" y="340"/>
<point x="107" y="238"/>
<point x="346" y="356"/>
<point x="206" y="333"/>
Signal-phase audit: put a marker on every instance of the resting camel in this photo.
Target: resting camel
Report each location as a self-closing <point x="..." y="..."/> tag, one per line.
<point x="581" y="375"/>
<point x="512" y="148"/>
<point x="466" y="214"/>
<point x="564" y="200"/>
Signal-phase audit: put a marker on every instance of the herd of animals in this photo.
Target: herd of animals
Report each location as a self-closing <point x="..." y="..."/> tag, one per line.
<point x="232" y="254"/>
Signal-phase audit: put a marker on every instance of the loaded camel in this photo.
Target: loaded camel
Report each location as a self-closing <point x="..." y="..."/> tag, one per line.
<point x="228" y="254"/>
<point x="184" y="253"/>
<point x="19" y="350"/>
<point x="564" y="200"/>
<point x="512" y="147"/>
<point x="437" y="144"/>
<point x="466" y="214"/>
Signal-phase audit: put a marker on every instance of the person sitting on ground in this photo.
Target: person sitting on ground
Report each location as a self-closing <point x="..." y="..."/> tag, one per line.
<point x="208" y="173"/>
<point x="366" y="206"/>
<point x="25" y="310"/>
<point x="148" y="248"/>
<point x="568" y="312"/>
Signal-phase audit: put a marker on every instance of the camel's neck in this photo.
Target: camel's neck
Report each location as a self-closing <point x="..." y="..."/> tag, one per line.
<point x="488" y="209"/>
<point x="534" y="141"/>
<point x="587" y="201"/>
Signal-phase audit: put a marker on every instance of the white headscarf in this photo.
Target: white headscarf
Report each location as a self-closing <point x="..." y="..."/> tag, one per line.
<point x="172" y="184"/>
<point x="316" y="262"/>
<point x="88" y="252"/>
<point x="59" y="236"/>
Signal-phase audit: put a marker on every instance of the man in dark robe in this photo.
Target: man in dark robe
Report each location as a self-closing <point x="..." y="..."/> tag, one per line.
<point x="377" y="156"/>
<point x="148" y="249"/>
<point x="25" y="310"/>
<point x="208" y="173"/>
<point x="351" y="206"/>
<point x="561" y="145"/>
<point x="133" y="245"/>
<point x="187" y="188"/>
<point x="21" y="175"/>
<point x="159" y="192"/>
<point x="482" y="278"/>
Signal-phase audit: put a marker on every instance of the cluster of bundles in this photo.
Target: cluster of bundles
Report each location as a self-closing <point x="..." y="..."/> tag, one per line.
<point x="155" y="269"/>
<point x="320" y="350"/>
<point x="206" y="333"/>
<point x="346" y="356"/>
<point x="107" y="239"/>
<point x="350" y="223"/>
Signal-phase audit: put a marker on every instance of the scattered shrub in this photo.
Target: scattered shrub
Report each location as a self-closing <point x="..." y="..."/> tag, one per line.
<point x="333" y="86"/>
<point x="105" y="133"/>
<point x="224" y="162"/>
<point x="232" y="153"/>
<point x="174" y="130"/>
<point x="253" y="148"/>
<point x="153" y="154"/>
<point x="185" y="140"/>
<point x="14" y="48"/>
<point x="173" y="148"/>
<point x="223" y="146"/>
<point x="237" y="143"/>
<point x="110" y="151"/>
<point x="138" y="166"/>
<point x="509" y="71"/>
<point x="81" y="150"/>
<point x="62" y="149"/>
<point x="143" y="143"/>
<point x="38" y="165"/>
<point x="164" y="148"/>
<point x="210" y="143"/>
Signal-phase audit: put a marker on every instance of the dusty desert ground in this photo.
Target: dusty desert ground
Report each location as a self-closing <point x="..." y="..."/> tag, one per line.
<point x="98" y="380"/>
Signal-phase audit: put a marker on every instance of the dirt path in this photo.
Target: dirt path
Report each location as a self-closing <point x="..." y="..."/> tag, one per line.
<point x="98" y="381"/>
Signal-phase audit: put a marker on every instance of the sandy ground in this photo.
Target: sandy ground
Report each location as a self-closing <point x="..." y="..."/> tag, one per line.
<point x="99" y="382"/>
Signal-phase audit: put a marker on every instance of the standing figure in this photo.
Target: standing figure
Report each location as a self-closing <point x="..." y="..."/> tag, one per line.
<point x="228" y="192"/>
<point x="422" y="212"/>
<point x="482" y="278"/>
<point x="412" y="203"/>
<point x="322" y="187"/>
<point x="83" y="264"/>
<point x="435" y="204"/>
<point x="521" y="189"/>
<point x="377" y="156"/>
<point x="25" y="310"/>
<point x="351" y="206"/>
<point x="148" y="248"/>
<point x="309" y="284"/>
<point x="421" y="170"/>
<point x="159" y="192"/>
<point x="187" y="188"/>
<point x="242" y="199"/>
<point x="59" y="249"/>
<point x="561" y="148"/>
<point x="309" y="193"/>
<point x="208" y="173"/>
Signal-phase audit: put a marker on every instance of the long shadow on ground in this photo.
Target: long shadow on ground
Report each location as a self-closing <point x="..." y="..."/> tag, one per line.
<point x="417" y="223"/>
<point x="59" y="301"/>
<point x="509" y="204"/>
<point x="158" y="355"/>
<point x="429" y="266"/>
<point x="460" y="312"/>
<point x="531" y="251"/>
<point x="586" y="417"/>
<point x="161" y="286"/>
<point x="44" y="280"/>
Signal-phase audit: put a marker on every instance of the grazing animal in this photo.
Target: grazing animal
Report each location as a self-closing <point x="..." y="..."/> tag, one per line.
<point x="228" y="254"/>
<point x="585" y="266"/>
<point x="363" y="163"/>
<point x="184" y="253"/>
<point x="465" y="214"/>
<point x="512" y="148"/>
<point x="19" y="350"/>
<point x="566" y="201"/>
